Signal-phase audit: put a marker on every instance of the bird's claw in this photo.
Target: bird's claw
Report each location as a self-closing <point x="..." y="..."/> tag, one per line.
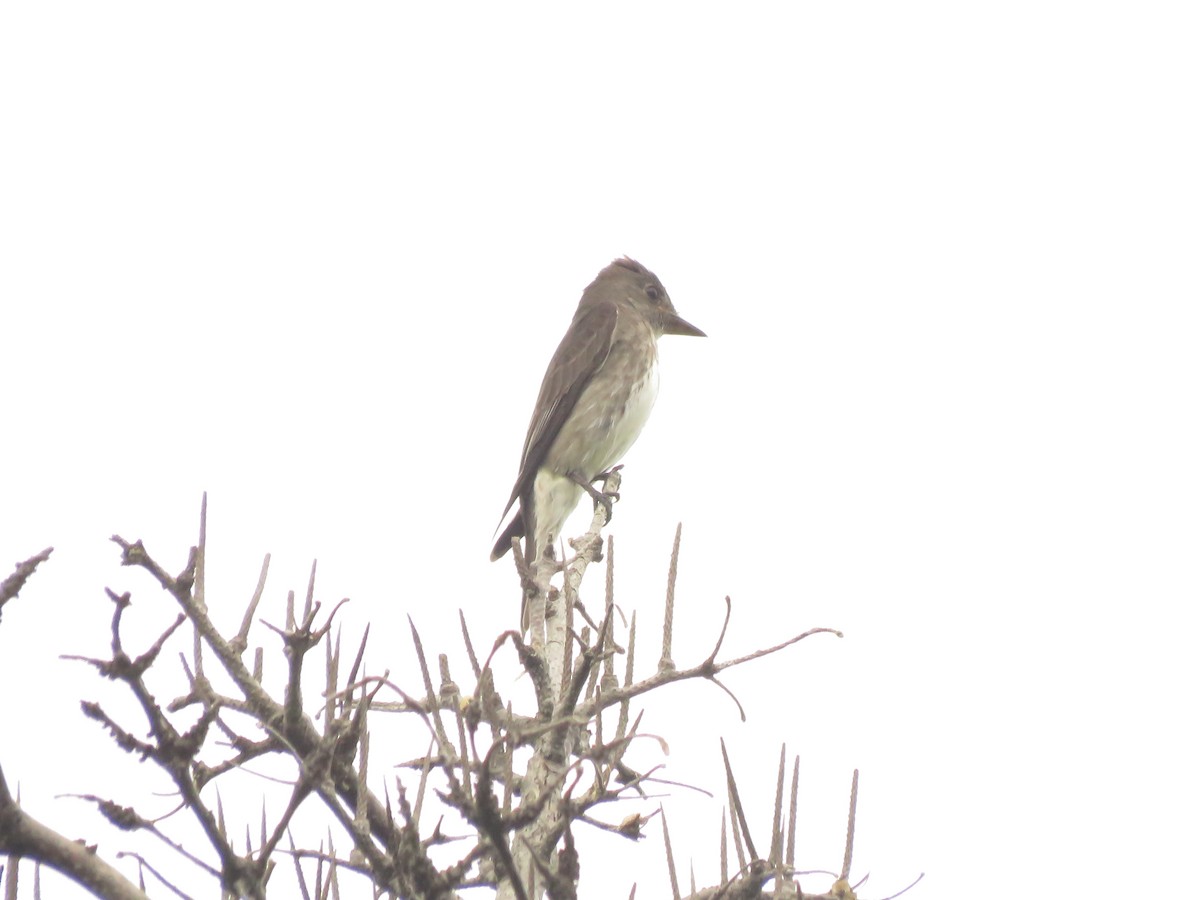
<point x="599" y="498"/>
<point x="606" y="499"/>
<point x="603" y="476"/>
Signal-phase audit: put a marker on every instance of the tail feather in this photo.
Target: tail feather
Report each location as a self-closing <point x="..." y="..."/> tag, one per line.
<point x="515" y="528"/>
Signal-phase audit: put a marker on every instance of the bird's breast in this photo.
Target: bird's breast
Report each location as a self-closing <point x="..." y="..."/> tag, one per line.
<point x="628" y="425"/>
<point x="609" y="415"/>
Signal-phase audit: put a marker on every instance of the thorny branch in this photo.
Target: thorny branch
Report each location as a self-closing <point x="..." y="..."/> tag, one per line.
<point x="11" y="586"/>
<point x="518" y="819"/>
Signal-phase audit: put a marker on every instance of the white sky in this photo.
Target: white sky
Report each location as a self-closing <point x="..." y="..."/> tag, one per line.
<point x="314" y="261"/>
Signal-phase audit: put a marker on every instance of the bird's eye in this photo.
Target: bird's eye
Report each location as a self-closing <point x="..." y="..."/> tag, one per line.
<point x="653" y="293"/>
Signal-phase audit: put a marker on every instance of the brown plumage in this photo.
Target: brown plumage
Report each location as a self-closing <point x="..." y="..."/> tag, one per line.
<point x="595" y="397"/>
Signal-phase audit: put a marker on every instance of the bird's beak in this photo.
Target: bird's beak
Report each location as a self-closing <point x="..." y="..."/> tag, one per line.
<point x="673" y="324"/>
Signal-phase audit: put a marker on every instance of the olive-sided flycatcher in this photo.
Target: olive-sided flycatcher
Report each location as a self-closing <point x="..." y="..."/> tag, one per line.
<point x="595" y="398"/>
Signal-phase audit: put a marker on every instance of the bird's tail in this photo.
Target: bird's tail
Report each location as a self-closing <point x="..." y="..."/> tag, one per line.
<point x="515" y="528"/>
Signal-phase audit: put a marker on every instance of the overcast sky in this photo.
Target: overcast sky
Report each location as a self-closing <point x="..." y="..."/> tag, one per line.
<point x="314" y="260"/>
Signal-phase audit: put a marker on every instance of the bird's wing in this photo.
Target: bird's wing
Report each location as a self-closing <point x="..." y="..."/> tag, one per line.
<point x="583" y="350"/>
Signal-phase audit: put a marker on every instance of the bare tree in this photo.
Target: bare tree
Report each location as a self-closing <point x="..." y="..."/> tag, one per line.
<point x="516" y="784"/>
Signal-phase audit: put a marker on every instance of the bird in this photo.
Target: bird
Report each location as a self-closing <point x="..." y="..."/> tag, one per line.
<point x="595" y="397"/>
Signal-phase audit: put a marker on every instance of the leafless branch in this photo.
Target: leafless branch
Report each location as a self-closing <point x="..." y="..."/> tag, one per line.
<point x="11" y="585"/>
<point x="542" y="772"/>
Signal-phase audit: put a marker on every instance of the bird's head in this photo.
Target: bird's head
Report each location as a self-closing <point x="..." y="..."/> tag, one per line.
<point x="629" y="281"/>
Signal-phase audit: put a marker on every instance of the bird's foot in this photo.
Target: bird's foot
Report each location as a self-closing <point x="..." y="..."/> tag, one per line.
<point x="600" y="498"/>
<point x="603" y="476"/>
